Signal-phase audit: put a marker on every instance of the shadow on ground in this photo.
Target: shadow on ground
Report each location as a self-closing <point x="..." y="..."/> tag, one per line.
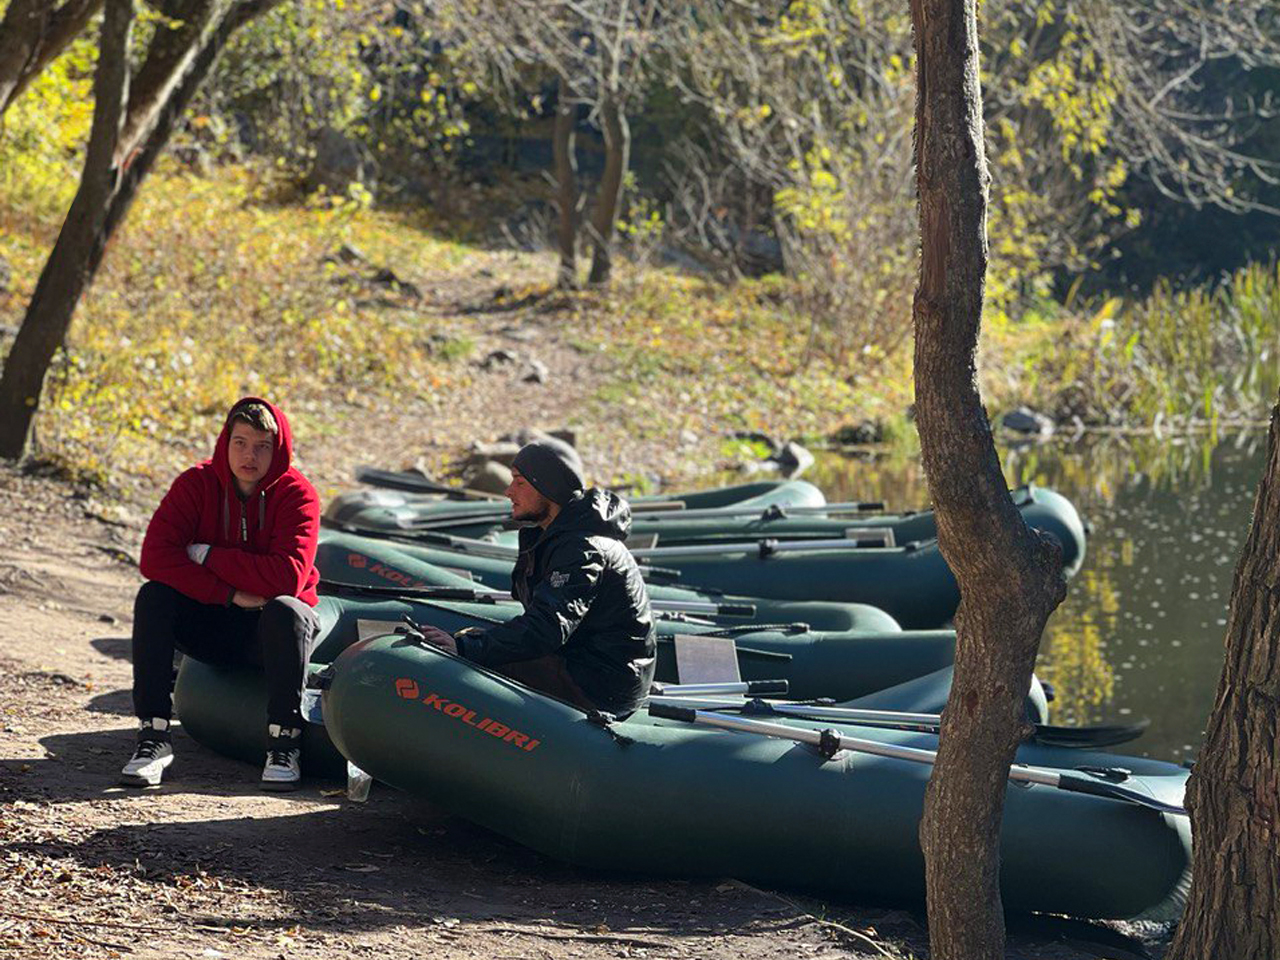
<point x="396" y="861"/>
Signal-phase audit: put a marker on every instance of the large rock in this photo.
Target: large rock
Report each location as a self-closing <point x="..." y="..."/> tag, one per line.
<point x="503" y="452"/>
<point x="535" y="371"/>
<point x="496" y="358"/>
<point x="529" y="434"/>
<point x="792" y="459"/>
<point x="489" y="476"/>
<point x="852" y="434"/>
<point x="1028" y="422"/>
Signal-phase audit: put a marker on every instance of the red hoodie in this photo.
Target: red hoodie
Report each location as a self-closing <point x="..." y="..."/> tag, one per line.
<point x="265" y="545"/>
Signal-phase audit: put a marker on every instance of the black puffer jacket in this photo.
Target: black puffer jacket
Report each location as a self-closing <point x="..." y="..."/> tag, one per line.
<point x="583" y="596"/>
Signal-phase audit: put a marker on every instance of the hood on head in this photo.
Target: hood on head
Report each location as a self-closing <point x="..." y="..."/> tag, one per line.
<point x="281" y="453"/>
<point x="597" y="513"/>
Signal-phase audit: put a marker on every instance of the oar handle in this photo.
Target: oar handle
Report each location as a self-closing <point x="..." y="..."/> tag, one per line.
<point x="665" y="711"/>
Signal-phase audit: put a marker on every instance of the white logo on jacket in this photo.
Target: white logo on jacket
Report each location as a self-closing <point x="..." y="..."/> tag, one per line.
<point x="558" y="579"/>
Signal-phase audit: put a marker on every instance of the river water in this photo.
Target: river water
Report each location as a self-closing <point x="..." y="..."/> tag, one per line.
<point x="1140" y="634"/>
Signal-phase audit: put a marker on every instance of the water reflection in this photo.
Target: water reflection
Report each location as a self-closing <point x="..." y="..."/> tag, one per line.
<point x="1141" y="631"/>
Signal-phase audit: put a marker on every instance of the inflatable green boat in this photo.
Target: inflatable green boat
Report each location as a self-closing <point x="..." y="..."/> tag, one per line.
<point x="1096" y="837"/>
<point x="346" y="558"/>
<point x="912" y="583"/>
<point x="757" y="518"/>
<point x="431" y="496"/>
<point x="213" y="703"/>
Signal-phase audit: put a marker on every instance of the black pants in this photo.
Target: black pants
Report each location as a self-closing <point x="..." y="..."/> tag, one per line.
<point x="548" y="675"/>
<point x="277" y="638"/>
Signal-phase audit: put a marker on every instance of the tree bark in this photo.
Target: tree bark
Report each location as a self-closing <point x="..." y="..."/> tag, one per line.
<point x="32" y="35"/>
<point x="80" y="242"/>
<point x="110" y="182"/>
<point x="617" y="147"/>
<point x="168" y="57"/>
<point x="565" y="169"/>
<point x="20" y="35"/>
<point x="1010" y="578"/>
<point x="1233" y="796"/>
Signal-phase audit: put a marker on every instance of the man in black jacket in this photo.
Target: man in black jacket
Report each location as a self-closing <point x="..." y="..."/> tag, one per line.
<point x="586" y="635"/>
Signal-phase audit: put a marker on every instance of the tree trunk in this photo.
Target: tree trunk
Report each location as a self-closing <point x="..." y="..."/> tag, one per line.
<point x="1010" y="578"/>
<point x="566" y="179"/>
<point x="20" y="34"/>
<point x="32" y="35"/>
<point x="80" y="242"/>
<point x="167" y="58"/>
<point x="107" y="188"/>
<point x="1233" y="910"/>
<point x="617" y="152"/>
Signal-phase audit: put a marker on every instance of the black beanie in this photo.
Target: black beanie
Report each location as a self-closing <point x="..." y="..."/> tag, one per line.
<point x="553" y="467"/>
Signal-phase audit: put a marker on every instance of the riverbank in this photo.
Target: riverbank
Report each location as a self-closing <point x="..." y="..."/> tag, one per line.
<point x="391" y="344"/>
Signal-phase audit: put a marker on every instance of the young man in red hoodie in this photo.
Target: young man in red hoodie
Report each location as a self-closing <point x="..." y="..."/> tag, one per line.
<point x="229" y="558"/>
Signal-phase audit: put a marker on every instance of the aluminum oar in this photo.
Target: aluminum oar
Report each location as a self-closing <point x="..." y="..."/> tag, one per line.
<point x="748" y="687"/>
<point x="1102" y="735"/>
<point x="479" y="595"/>
<point x="831" y="742"/>
<point x="763" y="547"/>
<point x="774" y="511"/>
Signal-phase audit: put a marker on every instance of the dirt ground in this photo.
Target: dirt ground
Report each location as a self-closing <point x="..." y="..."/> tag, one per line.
<point x="207" y="866"/>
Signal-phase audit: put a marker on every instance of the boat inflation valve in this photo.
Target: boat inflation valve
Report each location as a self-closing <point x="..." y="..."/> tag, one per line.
<point x="774" y="512"/>
<point x="768" y="548"/>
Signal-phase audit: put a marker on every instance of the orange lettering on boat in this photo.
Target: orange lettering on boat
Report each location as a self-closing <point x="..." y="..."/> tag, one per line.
<point x="407" y="688"/>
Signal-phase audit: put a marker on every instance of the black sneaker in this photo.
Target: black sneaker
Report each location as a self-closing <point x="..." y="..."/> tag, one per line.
<point x="151" y="757"/>
<point x="283" y="769"/>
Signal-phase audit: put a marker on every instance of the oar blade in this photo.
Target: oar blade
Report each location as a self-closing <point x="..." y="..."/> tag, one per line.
<point x="412" y="482"/>
<point x="1100" y="735"/>
<point x="1099" y="788"/>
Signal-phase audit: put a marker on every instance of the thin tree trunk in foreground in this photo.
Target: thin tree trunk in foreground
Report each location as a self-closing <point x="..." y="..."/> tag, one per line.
<point x="107" y="188"/>
<point x="1010" y="578"/>
<point x="565" y="165"/>
<point x="617" y="147"/>
<point x="80" y="243"/>
<point x="1233" y="911"/>
<point x="32" y="35"/>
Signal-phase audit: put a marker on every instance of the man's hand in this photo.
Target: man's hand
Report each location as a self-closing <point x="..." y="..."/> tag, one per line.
<point x="438" y="638"/>
<point x="250" y="601"/>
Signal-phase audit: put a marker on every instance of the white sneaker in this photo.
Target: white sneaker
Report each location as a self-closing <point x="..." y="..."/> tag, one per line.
<point x="151" y="757"/>
<point x="283" y="769"/>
